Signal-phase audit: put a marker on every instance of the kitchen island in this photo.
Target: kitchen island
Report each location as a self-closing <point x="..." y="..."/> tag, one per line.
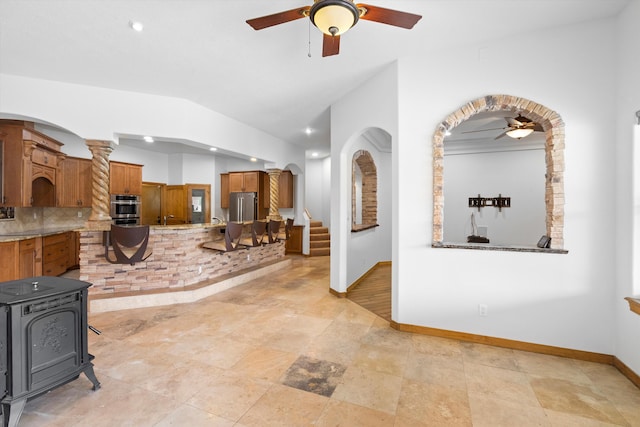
<point x="177" y="267"/>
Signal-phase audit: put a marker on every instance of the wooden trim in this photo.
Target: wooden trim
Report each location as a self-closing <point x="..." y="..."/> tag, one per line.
<point x="634" y="304"/>
<point x="337" y="294"/>
<point x="507" y="343"/>
<point x="626" y="371"/>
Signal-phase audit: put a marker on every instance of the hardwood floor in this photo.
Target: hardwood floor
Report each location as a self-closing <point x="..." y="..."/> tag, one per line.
<point x="374" y="291"/>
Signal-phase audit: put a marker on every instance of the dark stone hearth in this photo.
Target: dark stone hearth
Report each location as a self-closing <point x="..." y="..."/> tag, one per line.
<point x="313" y="375"/>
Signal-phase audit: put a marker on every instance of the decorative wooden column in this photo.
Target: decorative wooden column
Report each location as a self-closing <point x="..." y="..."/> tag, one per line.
<point x="100" y="201"/>
<point x="274" y="194"/>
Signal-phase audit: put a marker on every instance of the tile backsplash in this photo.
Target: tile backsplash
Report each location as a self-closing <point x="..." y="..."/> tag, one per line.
<point x="28" y="219"/>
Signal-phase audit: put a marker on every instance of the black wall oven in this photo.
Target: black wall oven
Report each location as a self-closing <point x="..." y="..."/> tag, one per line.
<point x="125" y="209"/>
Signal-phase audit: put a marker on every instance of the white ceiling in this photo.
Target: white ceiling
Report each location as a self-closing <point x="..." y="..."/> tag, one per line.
<point x="203" y="50"/>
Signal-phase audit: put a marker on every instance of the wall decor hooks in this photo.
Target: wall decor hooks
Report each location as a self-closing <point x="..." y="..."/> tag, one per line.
<point x="498" y="202"/>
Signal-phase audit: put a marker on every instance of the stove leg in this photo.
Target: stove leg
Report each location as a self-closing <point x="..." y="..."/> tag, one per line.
<point x="88" y="371"/>
<point x="11" y="412"/>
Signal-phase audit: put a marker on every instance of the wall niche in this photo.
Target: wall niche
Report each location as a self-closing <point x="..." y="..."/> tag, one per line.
<point x="553" y="128"/>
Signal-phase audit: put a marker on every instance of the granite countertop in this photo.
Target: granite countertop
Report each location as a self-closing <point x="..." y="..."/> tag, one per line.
<point x="30" y="234"/>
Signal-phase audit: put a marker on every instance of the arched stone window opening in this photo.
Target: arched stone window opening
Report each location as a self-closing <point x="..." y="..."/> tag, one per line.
<point x="552" y="125"/>
<point x="364" y="194"/>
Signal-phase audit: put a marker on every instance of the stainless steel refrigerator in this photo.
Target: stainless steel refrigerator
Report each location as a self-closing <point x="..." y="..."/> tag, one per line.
<point x="243" y="206"/>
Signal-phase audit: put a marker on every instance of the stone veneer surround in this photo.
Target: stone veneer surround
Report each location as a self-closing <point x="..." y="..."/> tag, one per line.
<point x="362" y="159"/>
<point x="553" y="127"/>
<point x="175" y="262"/>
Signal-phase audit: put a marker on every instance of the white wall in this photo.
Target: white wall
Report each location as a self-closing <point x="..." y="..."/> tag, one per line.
<point x="627" y="280"/>
<point x="102" y="114"/>
<point x="561" y="300"/>
<point x="515" y="174"/>
<point x="558" y="300"/>
<point x="317" y="194"/>
<point x="368" y="247"/>
<point x="373" y="104"/>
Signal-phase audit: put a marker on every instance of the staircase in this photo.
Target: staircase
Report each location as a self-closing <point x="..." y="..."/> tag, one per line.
<point x="319" y="239"/>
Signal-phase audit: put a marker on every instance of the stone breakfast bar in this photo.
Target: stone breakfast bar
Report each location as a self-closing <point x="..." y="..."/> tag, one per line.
<point x="179" y="269"/>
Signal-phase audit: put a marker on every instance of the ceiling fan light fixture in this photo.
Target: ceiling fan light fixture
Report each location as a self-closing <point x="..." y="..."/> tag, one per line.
<point x="334" y="17"/>
<point x="519" y="133"/>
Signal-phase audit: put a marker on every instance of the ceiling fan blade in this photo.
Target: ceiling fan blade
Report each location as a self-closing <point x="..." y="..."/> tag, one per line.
<point x="537" y="128"/>
<point x="389" y="16"/>
<point x="500" y="136"/>
<point x="278" y="18"/>
<point x="330" y="45"/>
<point x="514" y="123"/>
<point x="482" y="130"/>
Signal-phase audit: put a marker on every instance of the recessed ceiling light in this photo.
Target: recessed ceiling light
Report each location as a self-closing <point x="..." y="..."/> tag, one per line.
<point x="148" y="138"/>
<point x="314" y="154"/>
<point x="308" y="131"/>
<point x="136" y="25"/>
<point x="213" y="149"/>
<point x="253" y="159"/>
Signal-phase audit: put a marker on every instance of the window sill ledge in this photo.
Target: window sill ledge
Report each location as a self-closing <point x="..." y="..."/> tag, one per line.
<point x="363" y="227"/>
<point x="490" y="247"/>
<point x="634" y="304"/>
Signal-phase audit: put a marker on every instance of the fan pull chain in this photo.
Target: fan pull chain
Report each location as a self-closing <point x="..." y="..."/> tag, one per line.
<point x="309" y="53"/>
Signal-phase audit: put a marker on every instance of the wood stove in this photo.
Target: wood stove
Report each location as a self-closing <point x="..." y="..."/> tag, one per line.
<point x="43" y="339"/>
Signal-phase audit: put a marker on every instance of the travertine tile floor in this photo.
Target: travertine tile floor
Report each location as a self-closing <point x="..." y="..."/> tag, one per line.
<point x="282" y="351"/>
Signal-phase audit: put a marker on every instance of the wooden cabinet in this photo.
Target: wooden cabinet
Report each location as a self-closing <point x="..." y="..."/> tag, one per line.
<point x="224" y="190"/>
<point x="30" y="163"/>
<point x="55" y="254"/>
<point x="74" y="187"/>
<point x="29" y="250"/>
<point x="285" y="190"/>
<point x="294" y="242"/>
<point x="9" y="261"/>
<point x="125" y="178"/>
<point x="176" y="204"/>
<point x="251" y="181"/>
<point x="74" y="249"/>
<point x="179" y="203"/>
<point x="244" y="181"/>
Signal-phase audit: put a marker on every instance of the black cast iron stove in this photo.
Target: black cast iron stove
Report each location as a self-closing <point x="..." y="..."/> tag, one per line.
<point x="43" y="339"/>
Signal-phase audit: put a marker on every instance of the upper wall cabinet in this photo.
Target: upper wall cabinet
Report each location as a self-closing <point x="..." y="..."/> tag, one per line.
<point x="74" y="188"/>
<point x="244" y="181"/>
<point x="30" y="165"/>
<point x="125" y="178"/>
<point x="285" y="190"/>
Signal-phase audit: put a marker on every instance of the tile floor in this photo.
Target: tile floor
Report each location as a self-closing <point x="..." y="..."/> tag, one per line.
<point x="282" y="351"/>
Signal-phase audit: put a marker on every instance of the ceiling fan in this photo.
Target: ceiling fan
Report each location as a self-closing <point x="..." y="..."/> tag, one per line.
<point x="335" y="17"/>
<point x="518" y="127"/>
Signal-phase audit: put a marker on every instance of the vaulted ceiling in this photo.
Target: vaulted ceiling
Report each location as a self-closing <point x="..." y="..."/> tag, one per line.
<point x="274" y="79"/>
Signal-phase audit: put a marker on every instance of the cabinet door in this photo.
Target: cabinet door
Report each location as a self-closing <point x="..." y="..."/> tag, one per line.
<point x="251" y="181"/>
<point x="285" y="190"/>
<point x="294" y="243"/>
<point x="134" y="180"/>
<point x="68" y="189"/>
<point x="176" y="204"/>
<point x="236" y="182"/>
<point x="9" y="263"/>
<point x="224" y="190"/>
<point x="117" y="178"/>
<point x="125" y="178"/>
<point x="85" y="183"/>
<point x="265" y="194"/>
<point x="27" y="260"/>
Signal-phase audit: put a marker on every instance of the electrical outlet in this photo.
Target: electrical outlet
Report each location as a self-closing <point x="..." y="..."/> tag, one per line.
<point x="483" y="310"/>
<point x="79" y="214"/>
<point x="248" y="257"/>
<point x="199" y="269"/>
